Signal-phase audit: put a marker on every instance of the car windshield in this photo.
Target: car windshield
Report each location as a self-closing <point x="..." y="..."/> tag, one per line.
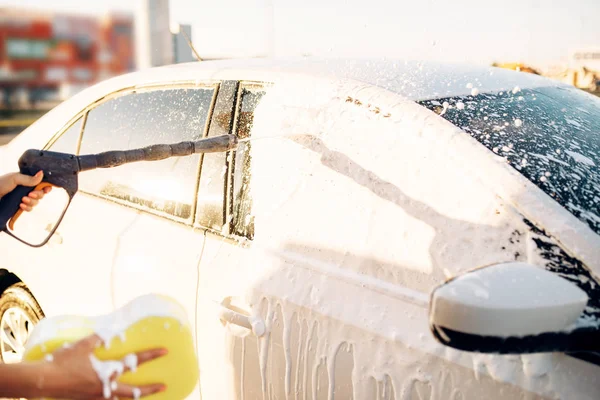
<point x="551" y="135"/>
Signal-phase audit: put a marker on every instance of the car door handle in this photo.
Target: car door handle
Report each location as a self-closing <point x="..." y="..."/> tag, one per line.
<point x="256" y="325"/>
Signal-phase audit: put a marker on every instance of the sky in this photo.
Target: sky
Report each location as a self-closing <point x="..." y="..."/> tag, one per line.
<point x="538" y="32"/>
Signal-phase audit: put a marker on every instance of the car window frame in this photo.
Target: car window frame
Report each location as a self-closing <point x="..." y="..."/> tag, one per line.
<point x="225" y="103"/>
<point x="197" y="84"/>
<point x="54" y="138"/>
<point x="234" y="106"/>
<point x="231" y="155"/>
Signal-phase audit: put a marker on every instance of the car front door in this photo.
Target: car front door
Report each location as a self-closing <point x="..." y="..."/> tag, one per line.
<point x="160" y="251"/>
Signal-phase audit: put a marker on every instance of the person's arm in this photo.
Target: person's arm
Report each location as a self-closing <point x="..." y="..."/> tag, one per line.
<point x="21" y="380"/>
<point x="71" y="375"/>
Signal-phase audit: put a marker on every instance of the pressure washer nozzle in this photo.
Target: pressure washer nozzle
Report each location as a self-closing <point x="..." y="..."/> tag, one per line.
<point x="216" y="144"/>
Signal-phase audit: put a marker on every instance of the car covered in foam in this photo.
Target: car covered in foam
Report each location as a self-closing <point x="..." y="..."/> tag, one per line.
<point x="306" y="257"/>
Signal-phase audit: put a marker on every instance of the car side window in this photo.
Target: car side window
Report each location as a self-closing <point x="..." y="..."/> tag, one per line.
<point x="242" y="223"/>
<point x="139" y="119"/>
<point x="67" y="142"/>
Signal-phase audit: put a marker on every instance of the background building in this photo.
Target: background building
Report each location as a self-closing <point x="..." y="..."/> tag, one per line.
<point x="582" y="70"/>
<point x="153" y="34"/>
<point x="182" y="52"/>
<point x="53" y="55"/>
<point x="588" y="58"/>
<point x="47" y="56"/>
<point x="117" y="41"/>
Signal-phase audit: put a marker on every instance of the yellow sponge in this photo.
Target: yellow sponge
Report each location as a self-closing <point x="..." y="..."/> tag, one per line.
<point x="147" y="322"/>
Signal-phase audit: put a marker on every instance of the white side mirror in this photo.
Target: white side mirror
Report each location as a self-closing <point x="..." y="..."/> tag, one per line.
<point x="495" y="306"/>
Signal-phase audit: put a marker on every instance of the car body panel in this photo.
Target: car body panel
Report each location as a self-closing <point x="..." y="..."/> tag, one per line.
<point x="363" y="202"/>
<point x="323" y="274"/>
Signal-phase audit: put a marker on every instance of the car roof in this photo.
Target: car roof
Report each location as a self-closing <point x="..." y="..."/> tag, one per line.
<point x="414" y="80"/>
<point x="411" y="80"/>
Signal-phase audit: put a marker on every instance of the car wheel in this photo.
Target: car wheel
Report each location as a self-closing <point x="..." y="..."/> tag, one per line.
<point x="19" y="312"/>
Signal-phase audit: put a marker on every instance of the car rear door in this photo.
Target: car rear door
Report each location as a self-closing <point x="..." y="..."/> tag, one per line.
<point x="129" y="230"/>
<point x="159" y="249"/>
<point x="71" y="273"/>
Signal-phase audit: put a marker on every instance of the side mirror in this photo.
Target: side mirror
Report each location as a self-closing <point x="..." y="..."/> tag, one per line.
<point x="512" y="308"/>
<point x="37" y="226"/>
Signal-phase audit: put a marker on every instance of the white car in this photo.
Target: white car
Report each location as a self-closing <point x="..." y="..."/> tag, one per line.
<point x="364" y="186"/>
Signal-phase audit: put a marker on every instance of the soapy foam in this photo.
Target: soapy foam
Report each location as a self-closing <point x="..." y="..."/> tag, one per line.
<point x="115" y="324"/>
<point x="390" y="365"/>
<point x="112" y="325"/>
<point x="343" y="287"/>
<point x="131" y="361"/>
<point x="106" y="370"/>
<point x="457" y="245"/>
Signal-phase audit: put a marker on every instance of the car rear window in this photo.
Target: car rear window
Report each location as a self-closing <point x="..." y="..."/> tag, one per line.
<point x="551" y="135"/>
